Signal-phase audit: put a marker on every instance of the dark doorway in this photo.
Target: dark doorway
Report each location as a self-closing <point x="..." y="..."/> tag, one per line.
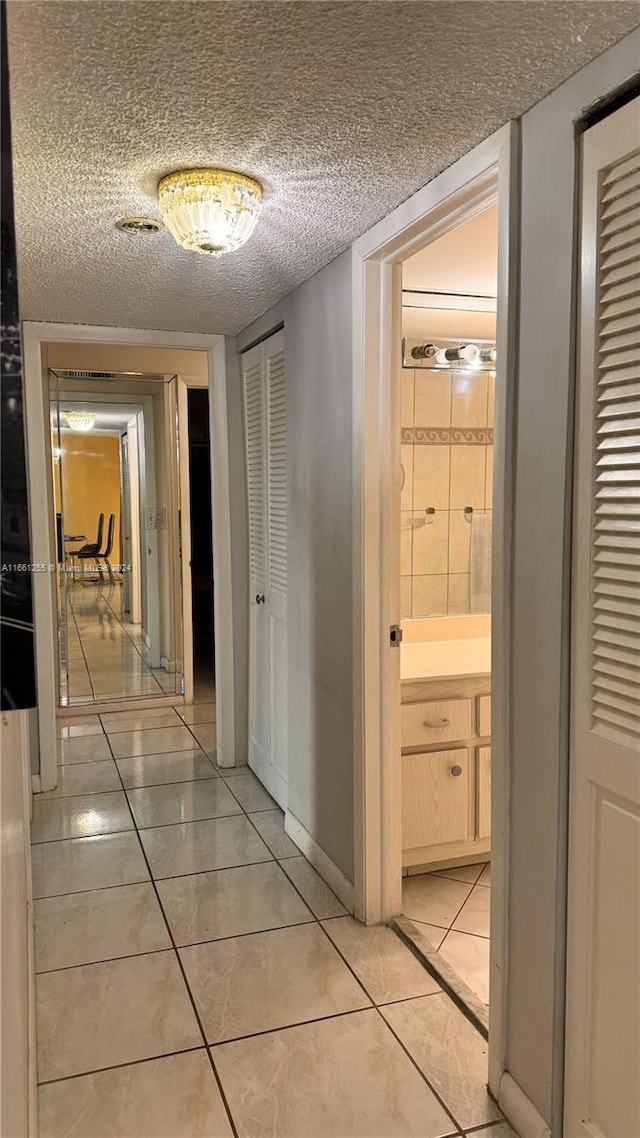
<point x="201" y="539"/>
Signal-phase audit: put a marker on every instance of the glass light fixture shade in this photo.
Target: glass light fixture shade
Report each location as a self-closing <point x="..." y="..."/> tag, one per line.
<point x="79" y="420"/>
<point x="210" y="211"/>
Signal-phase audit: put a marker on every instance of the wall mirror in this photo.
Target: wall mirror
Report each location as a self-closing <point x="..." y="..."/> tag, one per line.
<point x="114" y="528"/>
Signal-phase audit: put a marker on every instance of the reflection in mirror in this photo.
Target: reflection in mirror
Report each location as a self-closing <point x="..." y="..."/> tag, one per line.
<point x="114" y="474"/>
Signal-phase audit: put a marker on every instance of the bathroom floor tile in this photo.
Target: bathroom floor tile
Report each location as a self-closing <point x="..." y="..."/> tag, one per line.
<point x="432" y="932"/>
<point x="154" y="741"/>
<point x="173" y="1097"/>
<point x="382" y="963"/>
<point x="469" y="956"/>
<point x="270" y="826"/>
<point x="82" y="816"/>
<point x="475" y="916"/>
<point x="435" y="900"/>
<point x="230" y="902"/>
<point x="250" y="793"/>
<point x="175" y="766"/>
<point x="466" y="873"/>
<point x="218" y="843"/>
<point x="118" y="722"/>
<point x="83" y="778"/>
<point x="267" y="980"/>
<point x="100" y="1015"/>
<point x="450" y="1052"/>
<point x="84" y="750"/>
<point x="101" y="924"/>
<point x="485" y="876"/>
<point x="87" y="863"/>
<point x="339" y="1077"/>
<point x="181" y="802"/>
<point x="198" y="712"/>
<point x="322" y="902"/>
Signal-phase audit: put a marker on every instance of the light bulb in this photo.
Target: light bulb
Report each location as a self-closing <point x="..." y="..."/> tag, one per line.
<point x="469" y="352"/>
<point x="488" y="355"/>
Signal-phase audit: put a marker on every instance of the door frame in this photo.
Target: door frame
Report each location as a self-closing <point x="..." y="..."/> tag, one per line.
<point x="35" y="334"/>
<point x="488" y="173"/>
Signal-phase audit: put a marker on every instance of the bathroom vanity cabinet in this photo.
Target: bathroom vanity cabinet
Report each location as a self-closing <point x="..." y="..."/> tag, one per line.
<point x="446" y="769"/>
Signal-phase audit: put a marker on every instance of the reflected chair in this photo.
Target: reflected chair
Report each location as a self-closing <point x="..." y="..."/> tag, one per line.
<point x="108" y="549"/>
<point x="91" y="548"/>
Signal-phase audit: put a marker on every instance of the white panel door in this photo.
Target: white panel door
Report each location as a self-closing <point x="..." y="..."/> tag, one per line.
<point x="263" y="372"/>
<point x="602" y="1091"/>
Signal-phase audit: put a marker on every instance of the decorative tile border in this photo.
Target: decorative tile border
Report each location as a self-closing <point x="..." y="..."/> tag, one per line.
<point x="448" y="436"/>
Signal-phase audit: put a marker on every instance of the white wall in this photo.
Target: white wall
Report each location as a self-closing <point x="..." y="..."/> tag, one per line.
<point x="541" y="566"/>
<point x="318" y="339"/>
<point x="17" y="1070"/>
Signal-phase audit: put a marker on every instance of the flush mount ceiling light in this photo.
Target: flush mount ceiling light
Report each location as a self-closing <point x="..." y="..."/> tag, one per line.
<point x="210" y="211"/>
<point x="79" y="420"/>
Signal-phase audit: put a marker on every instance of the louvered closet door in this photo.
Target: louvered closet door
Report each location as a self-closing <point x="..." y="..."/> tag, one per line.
<point x="603" y="965"/>
<point x="265" y="440"/>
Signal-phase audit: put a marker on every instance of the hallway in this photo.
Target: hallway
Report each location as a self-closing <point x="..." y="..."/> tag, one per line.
<point x="103" y="657"/>
<point x="197" y="979"/>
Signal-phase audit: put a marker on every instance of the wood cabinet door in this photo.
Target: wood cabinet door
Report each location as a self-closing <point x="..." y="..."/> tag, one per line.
<point x="437" y="798"/>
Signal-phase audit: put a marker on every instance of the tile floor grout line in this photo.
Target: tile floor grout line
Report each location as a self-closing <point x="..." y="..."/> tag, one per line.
<point x="119" y="1066"/>
<point x="430" y="1085"/>
<point x="190" y="994"/>
<point x="292" y="1026"/>
<point x="376" y="1007"/>
<point x="451" y="928"/>
<point x="84" y="657"/>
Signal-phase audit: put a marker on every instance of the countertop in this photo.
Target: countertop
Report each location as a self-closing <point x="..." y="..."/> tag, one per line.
<point x="446" y="659"/>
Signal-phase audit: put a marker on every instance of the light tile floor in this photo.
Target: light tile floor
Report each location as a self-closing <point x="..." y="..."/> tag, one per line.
<point x="197" y="979"/>
<point x="103" y="655"/>
<point x="451" y="906"/>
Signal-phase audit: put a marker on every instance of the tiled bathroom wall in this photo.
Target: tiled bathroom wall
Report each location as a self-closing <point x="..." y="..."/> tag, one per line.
<point x="447" y="463"/>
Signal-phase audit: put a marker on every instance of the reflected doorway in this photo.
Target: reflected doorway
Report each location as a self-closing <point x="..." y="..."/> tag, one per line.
<point x="114" y="478"/>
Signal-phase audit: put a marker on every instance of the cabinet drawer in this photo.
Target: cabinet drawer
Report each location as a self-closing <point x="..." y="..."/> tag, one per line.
<point x="484" y="792"/>
<point x="444" y="721"/>
<point x="437" y="798"/>
<point x="484" y="715"/>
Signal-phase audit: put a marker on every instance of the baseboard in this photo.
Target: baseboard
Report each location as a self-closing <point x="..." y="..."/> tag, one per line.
<point x="520" y="1111"/>
<point x="320" y="861"/>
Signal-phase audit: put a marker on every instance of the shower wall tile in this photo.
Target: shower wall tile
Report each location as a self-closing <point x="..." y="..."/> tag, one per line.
<point x="407" y="397"/>
<point x="459" y="542"/>
<point x="406" y="542"/>
<point x="488" y="480"/>
<point x="432" y="398"/>
<point x="459" y="600"/>
<point x="491" y="392"/>
<point x="467" y="477"/>
<point x="469" y="401"/>
<point x="431" y="544"/>
<point x="430" y="595"/>
<point x="431" y="475"/>
<point x="406" y="458"/>
<point x="447" y="458"/>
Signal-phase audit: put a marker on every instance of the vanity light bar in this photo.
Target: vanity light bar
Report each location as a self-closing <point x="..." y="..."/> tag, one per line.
<point x="476" y="354"/>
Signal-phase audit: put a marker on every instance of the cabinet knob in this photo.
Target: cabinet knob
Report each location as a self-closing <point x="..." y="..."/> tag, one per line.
<point x="455" y="770"/>
<point x="260" y="598"/>
<point x="437" y="723"/>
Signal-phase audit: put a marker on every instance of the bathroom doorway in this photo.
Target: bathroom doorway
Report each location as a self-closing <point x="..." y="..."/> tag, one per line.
<point x="447" y="407"/>
<point x="472" y="333"/>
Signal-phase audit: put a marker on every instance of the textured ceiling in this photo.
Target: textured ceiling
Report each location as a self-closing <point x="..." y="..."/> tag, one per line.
<point x="341" y="109"/>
